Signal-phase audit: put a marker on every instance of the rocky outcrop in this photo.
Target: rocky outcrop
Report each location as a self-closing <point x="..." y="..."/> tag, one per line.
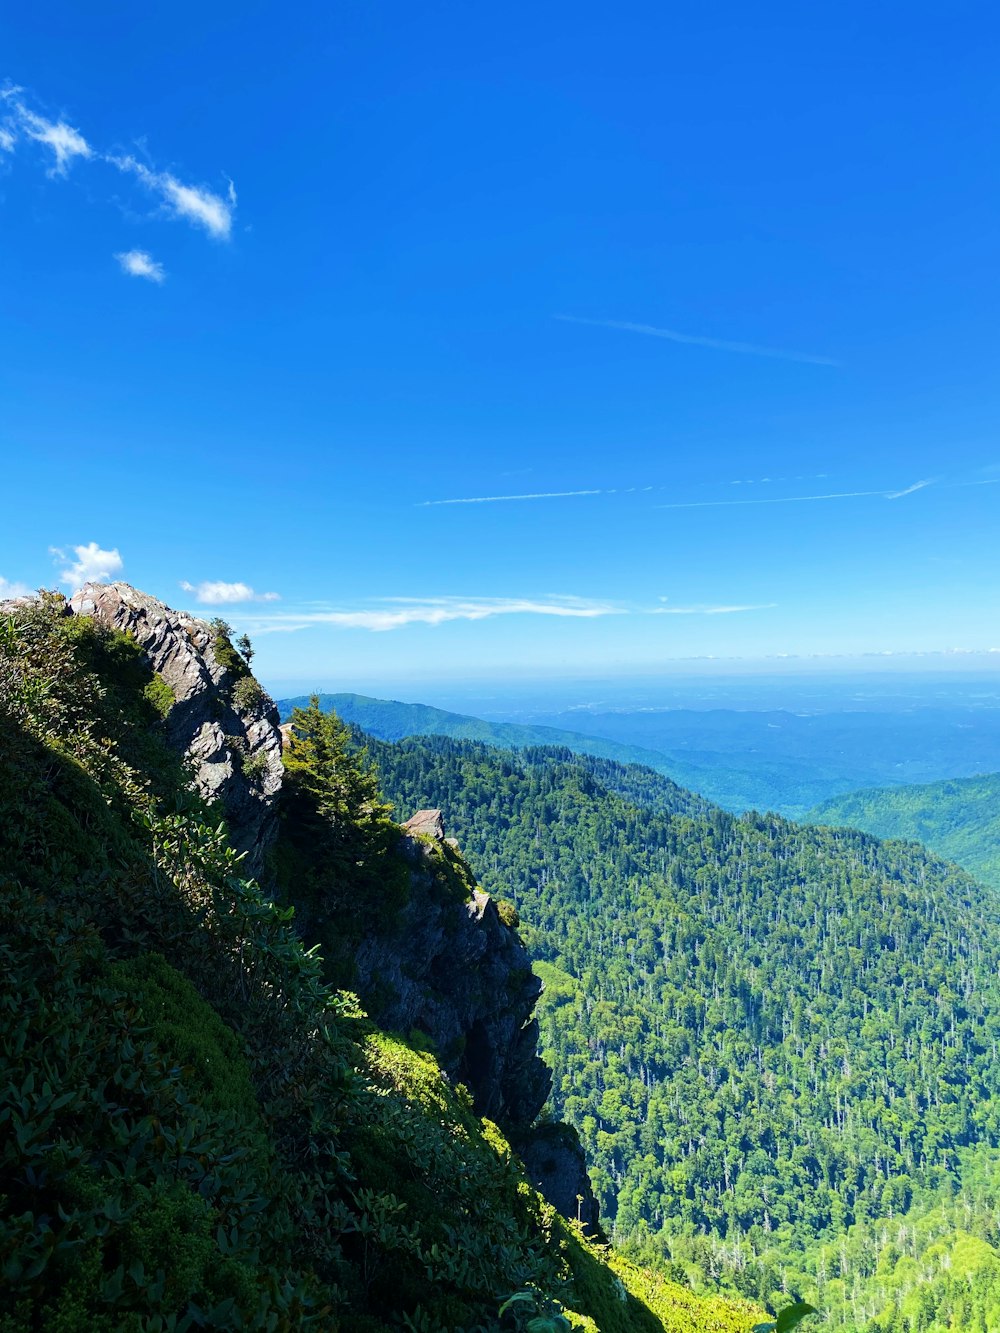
<point x="450" y="967"/>
<point x="426" y="824"/>
<point x="555" y="1164"/>
<point x="227" y="729"/>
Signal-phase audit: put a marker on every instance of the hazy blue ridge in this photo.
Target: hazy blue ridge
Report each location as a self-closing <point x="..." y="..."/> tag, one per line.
<point x="958" y="818"/>
<point x="788" y="788"/>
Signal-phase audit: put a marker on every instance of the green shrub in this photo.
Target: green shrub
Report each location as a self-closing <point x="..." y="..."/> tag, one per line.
<point x="248" y="694"/>
<point x="255" y="766"/>
<point x="159" y="695"/>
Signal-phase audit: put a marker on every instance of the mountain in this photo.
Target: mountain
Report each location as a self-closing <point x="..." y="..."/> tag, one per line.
<point x="198" y="1130"/>
<point x="789" y="761"/>
<point x="778" y="1043"/>
<point x="734" y="785"/>
<point x="959" y="819"/>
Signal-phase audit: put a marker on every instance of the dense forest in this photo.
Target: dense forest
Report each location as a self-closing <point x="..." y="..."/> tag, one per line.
<point x="196" y="1131"/>
<point x="959" y="819"/>
<point x="778" y="1043"/>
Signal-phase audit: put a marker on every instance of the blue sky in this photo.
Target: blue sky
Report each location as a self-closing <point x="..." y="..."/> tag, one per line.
<point x="714" y="286"/>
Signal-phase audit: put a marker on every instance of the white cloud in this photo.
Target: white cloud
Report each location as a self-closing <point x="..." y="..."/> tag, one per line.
<point x="217" y="593"/>
<point x="141" y="264"/>
<point x="399" y="612"/>
<point x="7" y="140"/>
<point x="10" y="589"/>
<point x="717" y="344"/>
<point x="92" y="565"/>
<point x="194" y="203"/>
<point x="64" y="141"/>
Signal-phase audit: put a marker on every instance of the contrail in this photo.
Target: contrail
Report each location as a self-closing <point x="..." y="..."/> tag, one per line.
<point x="496" y="499"/>
<point x="695" y="340"/>
<point x="794" y="499"/>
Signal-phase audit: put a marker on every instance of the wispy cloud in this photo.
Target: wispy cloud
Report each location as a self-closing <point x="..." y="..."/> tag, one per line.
<point x="141" y="264"/>
<point x="10" y="589"/>
<point x="199" y="205"/>
<point x="696" y="340"/>
<point x="710" y="610"/>
<point x="194" y="203"/>
<point x="393" y="613"/>
<point x="217" y="593"/>
<point x="794" y="499"/>
<point x="398" y="612"/>
<point x="62" y="139"/>
<point x="92" y="564"/>
<point x="917" y="486"/>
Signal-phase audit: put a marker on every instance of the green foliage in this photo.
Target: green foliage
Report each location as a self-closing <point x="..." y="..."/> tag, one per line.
<point x="338" y="851"/>
<point x="225" y="654"/>
<point x="255" y="766"/>
<point x="959" y="819"/>
<point x="159" y="695"/>
<point x="248" y="694"/>
<point x="788" y="1318"/>
<point x="765" y="1034"/>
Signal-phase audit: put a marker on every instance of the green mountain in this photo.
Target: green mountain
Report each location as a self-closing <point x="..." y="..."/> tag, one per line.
<point x="778" y="1043"/>
<point x="196" y="1129"/>
<point x="959" y="819"/>
<point x="766" y="784"/>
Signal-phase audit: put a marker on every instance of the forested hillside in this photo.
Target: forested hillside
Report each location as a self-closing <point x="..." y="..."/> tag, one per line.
<point x="195" y="1130"/>
<point x="959" y="819"/>
<point x="779" y="1043"/>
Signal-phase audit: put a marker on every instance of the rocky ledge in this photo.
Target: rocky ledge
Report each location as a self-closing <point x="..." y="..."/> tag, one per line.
<point x="227" y="729"/>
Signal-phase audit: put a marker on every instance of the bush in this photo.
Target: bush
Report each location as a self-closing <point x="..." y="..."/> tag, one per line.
<point x="255" y="767"/>
<point x="159" y="694"/>
<point x="247" y="694"/>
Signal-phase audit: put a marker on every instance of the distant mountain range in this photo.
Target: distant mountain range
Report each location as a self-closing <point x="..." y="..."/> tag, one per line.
<point x="740" y="759"/>
<point x="788" y="786"/>
<point x="959" y="819"/>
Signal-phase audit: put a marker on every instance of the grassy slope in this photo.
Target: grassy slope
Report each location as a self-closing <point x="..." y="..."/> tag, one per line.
<point x="959" y="819"/>
<point x="202" y="1134"/>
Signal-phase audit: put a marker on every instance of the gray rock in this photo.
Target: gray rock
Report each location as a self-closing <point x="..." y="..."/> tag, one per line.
<point x="217" y="735"/>
<point x="555" y="1164"/>
<point x="427" y="824"/>
<point x="449" y="967"/>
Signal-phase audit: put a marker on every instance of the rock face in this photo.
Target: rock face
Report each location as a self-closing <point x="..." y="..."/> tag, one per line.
<point x="450" y="967"/>
<point x="554" y="1160"/>
<point x="229" y="731"/>
<point x="426" y="823"/>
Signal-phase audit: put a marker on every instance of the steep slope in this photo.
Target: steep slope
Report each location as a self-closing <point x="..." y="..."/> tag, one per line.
<point x="765" y="1034"/>
<point x="959" y="819"/>
<point x="197" y="1132"/>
